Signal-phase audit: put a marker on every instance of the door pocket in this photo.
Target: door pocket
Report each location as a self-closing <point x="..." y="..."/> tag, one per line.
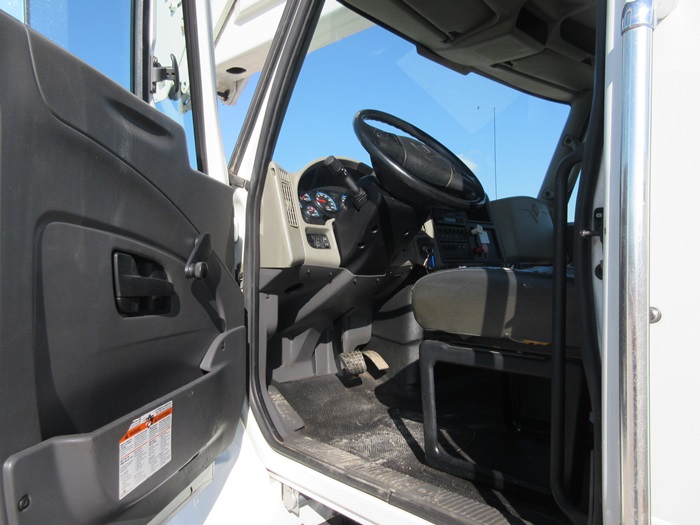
<point x="82" y="478"/>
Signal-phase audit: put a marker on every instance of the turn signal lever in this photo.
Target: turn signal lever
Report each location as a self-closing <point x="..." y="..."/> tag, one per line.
<point x="357" y="195"/>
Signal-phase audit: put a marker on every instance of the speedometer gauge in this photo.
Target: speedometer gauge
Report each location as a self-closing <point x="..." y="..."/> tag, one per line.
<point x="326" y="202"/>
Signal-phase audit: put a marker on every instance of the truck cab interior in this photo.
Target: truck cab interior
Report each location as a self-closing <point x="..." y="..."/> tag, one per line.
<point x="419" y="337"/>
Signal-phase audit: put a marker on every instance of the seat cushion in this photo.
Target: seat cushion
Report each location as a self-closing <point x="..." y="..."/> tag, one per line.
<point x="495" y="303"/>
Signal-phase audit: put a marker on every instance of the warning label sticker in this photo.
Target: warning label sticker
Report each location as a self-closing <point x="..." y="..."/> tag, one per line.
<point x="145" y="448"/>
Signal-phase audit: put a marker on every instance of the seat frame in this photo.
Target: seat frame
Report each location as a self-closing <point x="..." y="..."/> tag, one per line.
<point x="534" y="365"/>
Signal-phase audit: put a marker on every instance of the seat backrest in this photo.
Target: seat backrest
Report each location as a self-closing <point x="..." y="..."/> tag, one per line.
<point x="526" y="230"/>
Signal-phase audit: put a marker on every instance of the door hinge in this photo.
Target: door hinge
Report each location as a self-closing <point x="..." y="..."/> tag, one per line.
<point x="160" y="73"/>
<point x="291" y="499"/>
<point x="238" y="182"/>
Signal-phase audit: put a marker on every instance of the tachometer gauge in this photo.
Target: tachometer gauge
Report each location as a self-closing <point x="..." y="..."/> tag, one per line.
<point x="305" y="197"/>
<point x="311" y="213"/>
<point x="326" y="202"/>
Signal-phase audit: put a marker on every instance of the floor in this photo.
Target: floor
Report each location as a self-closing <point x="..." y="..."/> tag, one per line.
<point x="378" y="420"/>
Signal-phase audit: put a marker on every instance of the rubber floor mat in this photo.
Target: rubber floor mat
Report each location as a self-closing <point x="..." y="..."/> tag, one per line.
<point x="381" y="422"/>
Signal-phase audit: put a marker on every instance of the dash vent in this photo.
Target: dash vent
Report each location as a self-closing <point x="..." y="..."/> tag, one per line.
<point x="289" y="200"/>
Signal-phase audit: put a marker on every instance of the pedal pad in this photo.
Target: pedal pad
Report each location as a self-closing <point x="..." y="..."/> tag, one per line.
<point x="377" y="360"/>
<point x="353" y="362"/>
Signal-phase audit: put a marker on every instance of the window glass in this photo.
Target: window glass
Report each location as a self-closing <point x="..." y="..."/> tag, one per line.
<point x="243" y="37"/>
<point x="231" y="117"/>
<point x="505" y="136"/>
<point x="169" y="48"/>
<point x="571" y="208"/>
<point x="14" y="8"/>
<point x="96" y="32"/>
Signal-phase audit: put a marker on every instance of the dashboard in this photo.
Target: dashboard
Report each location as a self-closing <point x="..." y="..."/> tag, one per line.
<point x="311" y="218"/>
<point x="324" y="249"/>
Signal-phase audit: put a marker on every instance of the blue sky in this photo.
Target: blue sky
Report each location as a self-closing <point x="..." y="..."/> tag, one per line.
<point x="14" y="7"/>
<point x="371" y="69"/>
<point x="98" y="35"/>
<point x="374" y="69"/>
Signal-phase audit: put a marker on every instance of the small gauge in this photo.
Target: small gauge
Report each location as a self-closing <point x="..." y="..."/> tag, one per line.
<point x="305" y="197"/>
<point x="326" y="202"/>
<point x="311" y="213"/>
<point x="343" y="198"/>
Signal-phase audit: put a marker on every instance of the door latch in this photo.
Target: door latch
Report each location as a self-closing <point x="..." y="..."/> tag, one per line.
<point x="598" y="225"/>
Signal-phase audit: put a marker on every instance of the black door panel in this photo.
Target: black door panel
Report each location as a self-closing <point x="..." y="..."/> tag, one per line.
<point x="125" y="362"/>
<point x="88" y="171"/>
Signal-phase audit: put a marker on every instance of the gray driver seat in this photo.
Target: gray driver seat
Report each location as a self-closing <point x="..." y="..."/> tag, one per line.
<point x="497" y="319"/>
<point x="501" y="304"/>
<point x="497" y="304"/>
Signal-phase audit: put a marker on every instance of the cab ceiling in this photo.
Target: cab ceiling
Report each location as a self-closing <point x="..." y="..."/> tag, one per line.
<point x="544" y="47"/>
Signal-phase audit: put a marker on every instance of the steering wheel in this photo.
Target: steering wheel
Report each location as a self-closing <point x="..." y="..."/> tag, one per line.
<point x="418" y="168"/>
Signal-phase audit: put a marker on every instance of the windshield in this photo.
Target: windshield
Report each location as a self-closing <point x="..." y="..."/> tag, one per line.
<point x="505" y="136"/>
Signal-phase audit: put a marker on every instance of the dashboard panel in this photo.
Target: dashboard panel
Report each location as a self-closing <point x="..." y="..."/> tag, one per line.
<point x="300" y="210"/>
<point x="465" y="238"/>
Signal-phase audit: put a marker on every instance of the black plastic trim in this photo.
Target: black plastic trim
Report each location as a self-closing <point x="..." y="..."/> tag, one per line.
<point x="192" y="46"/>
<point x="89" y="191"/>
<point x="558" y="388"/>
<point x="590" y="350"/>
<point x="140" y="53"/>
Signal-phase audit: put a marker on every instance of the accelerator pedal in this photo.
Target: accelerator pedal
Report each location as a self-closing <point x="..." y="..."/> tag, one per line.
<point x="353" y="362"/>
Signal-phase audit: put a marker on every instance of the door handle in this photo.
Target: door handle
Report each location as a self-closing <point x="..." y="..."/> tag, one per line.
<point x="141" y="286"/>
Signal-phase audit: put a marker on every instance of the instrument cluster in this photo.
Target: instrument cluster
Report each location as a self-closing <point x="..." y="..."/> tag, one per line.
<point x="320" y="204"/>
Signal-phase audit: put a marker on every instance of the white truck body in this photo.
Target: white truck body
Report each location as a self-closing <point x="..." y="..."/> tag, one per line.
<point x="645" y="302"/>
